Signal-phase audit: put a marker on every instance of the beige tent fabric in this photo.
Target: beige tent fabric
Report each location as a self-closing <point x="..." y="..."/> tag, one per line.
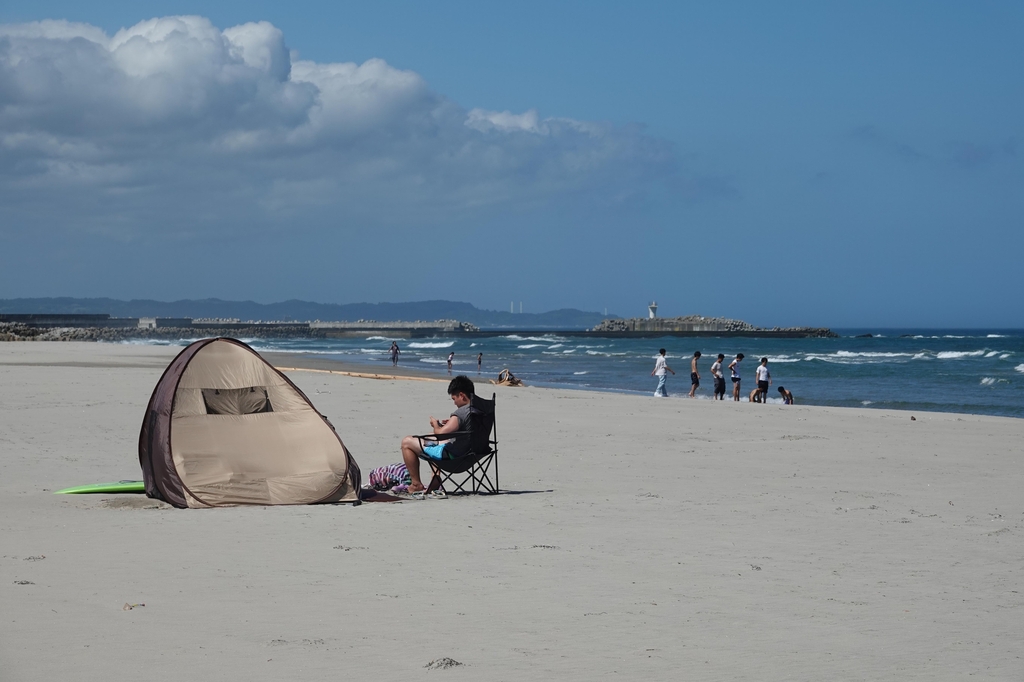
<point x="227" y="365"/>
<point x="289" y="455"/>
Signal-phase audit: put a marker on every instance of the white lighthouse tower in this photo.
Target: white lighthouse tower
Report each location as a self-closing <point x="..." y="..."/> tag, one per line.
<point x="652" y="310"/>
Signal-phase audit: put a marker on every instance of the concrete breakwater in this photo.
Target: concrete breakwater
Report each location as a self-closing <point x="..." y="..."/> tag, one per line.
<point x="704" y="326"/>
<point x="104" y="328"/>
<point x="13" y="332"/>
<point x="22" y="332"/>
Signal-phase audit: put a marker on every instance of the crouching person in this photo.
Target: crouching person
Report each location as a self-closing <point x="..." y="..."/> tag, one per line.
<point x="460" y="390"/>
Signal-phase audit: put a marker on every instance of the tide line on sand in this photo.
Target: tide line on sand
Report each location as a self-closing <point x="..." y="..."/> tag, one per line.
<point x="361" y="375"/>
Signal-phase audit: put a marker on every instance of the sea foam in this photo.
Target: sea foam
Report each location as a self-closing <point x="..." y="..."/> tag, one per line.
<point x="552" y="338"/>
<point x="957" y="354"/>
<point x="867" y="354"/>
<point x="845" y="357"/>
<point x="432" y="344"/>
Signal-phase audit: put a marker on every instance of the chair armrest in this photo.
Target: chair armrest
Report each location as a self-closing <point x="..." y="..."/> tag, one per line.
<point x="443" y="436"/>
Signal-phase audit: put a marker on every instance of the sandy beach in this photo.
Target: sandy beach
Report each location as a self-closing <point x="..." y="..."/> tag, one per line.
<point x="639" y="539"/>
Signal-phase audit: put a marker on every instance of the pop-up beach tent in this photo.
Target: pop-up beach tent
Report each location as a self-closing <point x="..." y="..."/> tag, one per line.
<point x="224" y="427"/>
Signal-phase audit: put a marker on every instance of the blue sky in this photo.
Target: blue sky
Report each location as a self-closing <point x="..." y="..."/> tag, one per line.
<point x="801" y="163"/>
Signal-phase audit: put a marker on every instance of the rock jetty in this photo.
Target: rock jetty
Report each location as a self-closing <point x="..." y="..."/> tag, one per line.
<point x="704" y="325"/>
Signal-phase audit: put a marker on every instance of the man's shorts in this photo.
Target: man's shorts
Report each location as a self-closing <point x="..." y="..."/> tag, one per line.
<point x="763" y="385"/>
<point x="694" y="379"/>
<point x="719" y="384"/>
<point x="736" y="380"/>
<point x="435" y="451"/>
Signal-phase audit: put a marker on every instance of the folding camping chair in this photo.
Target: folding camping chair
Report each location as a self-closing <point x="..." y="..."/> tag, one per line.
<point x="474" y="466"/>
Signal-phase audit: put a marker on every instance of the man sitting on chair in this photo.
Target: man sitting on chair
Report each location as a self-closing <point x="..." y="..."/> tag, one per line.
<point x="460" y="389"/>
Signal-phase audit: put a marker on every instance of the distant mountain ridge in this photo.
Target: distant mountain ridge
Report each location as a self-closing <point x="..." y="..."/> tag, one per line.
<point x="307" y="311"/>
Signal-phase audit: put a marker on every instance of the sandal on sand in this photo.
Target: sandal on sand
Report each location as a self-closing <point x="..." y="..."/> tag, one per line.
<point x="406" y="495"/>
<point x="438" y="495"/>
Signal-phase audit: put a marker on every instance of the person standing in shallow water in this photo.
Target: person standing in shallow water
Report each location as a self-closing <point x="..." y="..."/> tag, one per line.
<point x="734" y="367"/>
<point x="451" y="356"/>
<point x="764" y="379"/>
<point x="395" y="350"/>
<point x="719" y="378"/>
<point x="479" y="362"/>
<point x="660" y="367"/>
<point x="694" y="374"/>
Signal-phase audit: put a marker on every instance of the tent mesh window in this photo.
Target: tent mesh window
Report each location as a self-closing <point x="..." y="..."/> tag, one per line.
<point x="251" y="400"/>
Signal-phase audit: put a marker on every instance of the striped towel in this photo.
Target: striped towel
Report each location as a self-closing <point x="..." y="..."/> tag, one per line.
<point x="383" y="478"/>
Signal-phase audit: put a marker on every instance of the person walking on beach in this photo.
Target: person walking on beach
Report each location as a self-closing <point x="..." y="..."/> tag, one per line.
<point x="694" y="374"/>
<point x="787" y="396"/>
<point x="479" y="362"/>
<point x="451" y="356"/>
<point x="734" y="367"/>
<point x="764" y="379"/>
<point x="395" y="350"/>
<point x="659" y="371"/>
<point x="719" y="378"/>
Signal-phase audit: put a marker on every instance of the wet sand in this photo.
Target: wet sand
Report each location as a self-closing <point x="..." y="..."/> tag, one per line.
<point x="639" y="538"/>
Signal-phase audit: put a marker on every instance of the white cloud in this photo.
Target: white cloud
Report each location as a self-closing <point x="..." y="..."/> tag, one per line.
<point x="487" y="121"/>
<point x="175" y="122"/>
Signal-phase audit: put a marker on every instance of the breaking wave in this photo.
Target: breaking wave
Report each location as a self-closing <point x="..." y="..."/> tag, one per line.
<point x="545" y="339"/>
<point x="432" y="344"/>
<point x="867" y="354"/>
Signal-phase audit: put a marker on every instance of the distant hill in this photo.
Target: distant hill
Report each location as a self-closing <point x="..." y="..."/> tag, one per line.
<point x="306" y="311"/>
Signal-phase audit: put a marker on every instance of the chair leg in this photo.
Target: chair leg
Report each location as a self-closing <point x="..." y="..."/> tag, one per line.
<point x="475" y="480"/>
<point x="437" y="479"/>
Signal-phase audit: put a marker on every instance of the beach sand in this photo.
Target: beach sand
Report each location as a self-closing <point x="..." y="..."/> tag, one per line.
<point x="640" y="539"/>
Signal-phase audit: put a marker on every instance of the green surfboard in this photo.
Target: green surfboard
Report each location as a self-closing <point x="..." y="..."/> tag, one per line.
<point x="115" y="487"/>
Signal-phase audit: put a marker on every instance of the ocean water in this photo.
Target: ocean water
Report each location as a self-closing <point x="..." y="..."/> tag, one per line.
<point x="969" y="371"/>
